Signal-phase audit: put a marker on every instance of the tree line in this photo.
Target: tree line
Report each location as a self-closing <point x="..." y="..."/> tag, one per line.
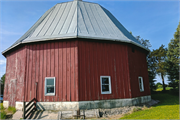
<point x="164" y="61"/>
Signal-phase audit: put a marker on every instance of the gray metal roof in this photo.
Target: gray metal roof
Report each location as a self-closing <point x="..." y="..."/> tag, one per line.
<point x="77" y="19"/>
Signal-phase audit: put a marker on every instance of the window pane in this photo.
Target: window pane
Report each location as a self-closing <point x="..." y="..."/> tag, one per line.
<point x="140" y="80"/>
<point x="50" y="89"/>
<point x="50" y="81"/>
<point x="105" y="80"/>
<point x="140" y="85"/>
<point x="105" y="88"/>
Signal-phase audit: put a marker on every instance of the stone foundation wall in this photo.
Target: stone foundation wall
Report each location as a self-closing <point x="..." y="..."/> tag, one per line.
<point x="85" y="105"/>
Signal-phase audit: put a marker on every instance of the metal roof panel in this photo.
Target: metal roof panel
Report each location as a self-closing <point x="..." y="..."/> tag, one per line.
<point x="77" y="19"/>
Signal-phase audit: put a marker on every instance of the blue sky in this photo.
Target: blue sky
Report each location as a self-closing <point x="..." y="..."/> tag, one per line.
<point x="155" y="20"/>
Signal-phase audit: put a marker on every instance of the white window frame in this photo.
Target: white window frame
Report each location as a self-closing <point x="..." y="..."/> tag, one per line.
<point x="50" y="94"/>
<point x="142" y="84"/>
<point x="109" y="77"/>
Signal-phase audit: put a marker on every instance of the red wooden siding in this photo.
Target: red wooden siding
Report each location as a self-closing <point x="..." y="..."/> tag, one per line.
<point x="54" y="59"/>
<point x="15" y="75"/>
<point x="138" y="67"/>
<point x="77" y="66"/>
<point x="103" y="59"/>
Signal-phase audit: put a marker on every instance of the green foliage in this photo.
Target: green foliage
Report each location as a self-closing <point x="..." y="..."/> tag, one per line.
<point x="145" y="42"/>
<point x="167" y="108"/>
<point x="172" y="61"/>
<point x="160" y="64"/>
<point x="158" y="84"/>
<point x="151" y="63"/>
<point x="12" y="109"/>
<point x="3" y="115"/>
<point x="2" y="85"/>
<point x="2" y="107"/>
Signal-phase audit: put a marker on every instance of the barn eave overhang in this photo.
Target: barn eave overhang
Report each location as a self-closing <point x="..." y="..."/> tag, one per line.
<point x="40" y="39"/>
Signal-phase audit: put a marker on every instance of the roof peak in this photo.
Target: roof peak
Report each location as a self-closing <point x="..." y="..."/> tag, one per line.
<point x="77" y="20"/>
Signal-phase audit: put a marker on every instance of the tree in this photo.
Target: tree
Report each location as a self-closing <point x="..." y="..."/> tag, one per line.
<point x="144" y="42"/>
<point x="151" y="63"/>
<point x="2" y="85"/>
<point x="172" y="61"/>
<point x="160" y="64"/>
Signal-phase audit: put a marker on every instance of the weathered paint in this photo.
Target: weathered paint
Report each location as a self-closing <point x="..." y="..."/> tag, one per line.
<point x="54" y="59"/>
<point x="15" y="74"/>
<point x="77" y="66"/>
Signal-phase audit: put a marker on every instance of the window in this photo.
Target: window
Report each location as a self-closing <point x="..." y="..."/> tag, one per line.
<point x="105" y="84"/>
<point x="49" y="86"/>
<point x="141" y="86"/>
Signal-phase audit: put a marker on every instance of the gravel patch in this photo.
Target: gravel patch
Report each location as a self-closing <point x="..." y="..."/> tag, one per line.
<point x="124" y="110"/>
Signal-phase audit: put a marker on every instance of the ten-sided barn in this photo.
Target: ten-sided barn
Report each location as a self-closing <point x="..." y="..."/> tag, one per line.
<point x="76" y="56"/>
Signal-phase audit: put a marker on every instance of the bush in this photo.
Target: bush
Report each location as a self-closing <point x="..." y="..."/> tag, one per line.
<point x="3" y="115"/>
<point x="12" y="109"/>
<point x="2" y="107"/>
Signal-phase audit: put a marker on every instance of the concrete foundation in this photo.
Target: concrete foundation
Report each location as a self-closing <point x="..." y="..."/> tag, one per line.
<point x="19" y="105"/>
<point x="85" y="105"/>
<point x="6" y="104"/>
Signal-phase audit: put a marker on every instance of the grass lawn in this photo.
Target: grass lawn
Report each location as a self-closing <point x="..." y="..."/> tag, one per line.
<point x="160" y="89"/>
<point x="6" y="113"/>
<point x="167" y="108"/>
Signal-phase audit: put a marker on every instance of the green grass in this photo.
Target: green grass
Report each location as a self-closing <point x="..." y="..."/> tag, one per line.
<point x="167" y="108"/>
<point x="3" y="115"/>
<point x="4" y="111"/>
<point x="12" y="109"/>
<point x="1" y="106"/>
<point x="161" y="88"/>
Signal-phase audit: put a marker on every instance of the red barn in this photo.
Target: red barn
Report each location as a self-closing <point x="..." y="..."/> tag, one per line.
<point x="76" y="56"/>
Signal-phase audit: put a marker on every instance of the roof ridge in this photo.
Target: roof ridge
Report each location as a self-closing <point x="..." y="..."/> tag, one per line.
<point x="75" y="19"/>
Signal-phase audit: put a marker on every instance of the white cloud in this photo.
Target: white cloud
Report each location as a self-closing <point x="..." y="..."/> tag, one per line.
<point x="2" y="62"/>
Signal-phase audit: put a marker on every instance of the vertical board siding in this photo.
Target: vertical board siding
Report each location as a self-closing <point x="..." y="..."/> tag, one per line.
<point x="138" y="67"/>
<point x="77" y="67"/>
<point x="103" y="59"/>
<point x="53" y="59"/>
<point x="14" y="80"/>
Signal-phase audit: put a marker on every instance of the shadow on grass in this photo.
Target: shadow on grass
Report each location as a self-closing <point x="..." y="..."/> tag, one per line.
<point x="168" y="97"/>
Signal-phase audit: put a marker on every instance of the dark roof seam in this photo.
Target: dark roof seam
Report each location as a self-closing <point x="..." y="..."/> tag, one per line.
<point x="71" y="21"/>
<point x="65" y="19"/>
<point x="102" y="20"/>
<point x="88" y="17"/>
<point x="45" y="23"/>
<point x="108" y="21"/>
<point x="83" y="19"/>
<point x="52" y="20"/>
<point x="59" y="18"/>
<point x="95" y="19"/>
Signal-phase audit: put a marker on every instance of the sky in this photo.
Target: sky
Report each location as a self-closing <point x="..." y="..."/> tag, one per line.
<point x="154" y="20"/>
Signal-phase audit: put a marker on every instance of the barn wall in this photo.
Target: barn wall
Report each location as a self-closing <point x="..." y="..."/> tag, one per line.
<point x="52" y="59"/>
<point x="103" y="59"/>
<point x="138" y="67"/>
<point x="15" y="75"/>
